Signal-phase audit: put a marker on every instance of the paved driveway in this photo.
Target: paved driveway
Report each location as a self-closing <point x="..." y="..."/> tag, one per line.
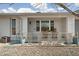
<point x="24" y="50"/>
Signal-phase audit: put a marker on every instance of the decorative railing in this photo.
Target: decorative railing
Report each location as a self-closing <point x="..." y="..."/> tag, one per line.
<point x="50" y="37"/>
<point x="38" y="37"/>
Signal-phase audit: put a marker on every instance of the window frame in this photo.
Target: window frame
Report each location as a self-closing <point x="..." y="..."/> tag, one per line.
<point x="49" y="22"/>
<point x="13" y="26"/>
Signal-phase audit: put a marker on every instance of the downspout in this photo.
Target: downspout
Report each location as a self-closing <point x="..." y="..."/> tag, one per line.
<point x="10" y="27"/>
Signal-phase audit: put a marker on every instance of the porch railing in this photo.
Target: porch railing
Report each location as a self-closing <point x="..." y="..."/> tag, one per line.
<point x="38" y="37"/>
<point x="50" y="37"/>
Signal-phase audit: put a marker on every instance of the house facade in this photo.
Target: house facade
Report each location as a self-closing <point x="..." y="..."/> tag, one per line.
<point x="12" y="24"/>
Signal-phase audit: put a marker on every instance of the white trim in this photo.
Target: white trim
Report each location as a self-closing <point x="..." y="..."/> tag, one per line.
<point x="49" y="25"/>
<point x="40" y="25"/>
<point x="15" y="26"/>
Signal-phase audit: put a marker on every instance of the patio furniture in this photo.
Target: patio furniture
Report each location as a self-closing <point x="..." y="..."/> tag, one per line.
<point x="5" y="39"/>
<point x="75" y="40"/>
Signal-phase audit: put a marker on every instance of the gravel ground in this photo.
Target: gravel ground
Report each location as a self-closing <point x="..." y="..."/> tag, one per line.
<point x="24" y="50"/>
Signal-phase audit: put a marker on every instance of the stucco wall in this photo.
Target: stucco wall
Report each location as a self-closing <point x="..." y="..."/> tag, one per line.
<point x="5" y="25"/>
<point x="77" y="26"/>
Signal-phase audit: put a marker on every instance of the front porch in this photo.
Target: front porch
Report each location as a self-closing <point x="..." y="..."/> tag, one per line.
<point x="51" y="29"/>
<point x="36" y="29"/>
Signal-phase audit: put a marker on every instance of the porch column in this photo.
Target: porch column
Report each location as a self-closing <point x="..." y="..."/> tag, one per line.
<point x="24" y="26"/>
<point x="71" y="25"/>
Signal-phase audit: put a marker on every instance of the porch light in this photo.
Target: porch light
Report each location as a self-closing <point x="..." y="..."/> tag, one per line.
<point x="30" y="22"/>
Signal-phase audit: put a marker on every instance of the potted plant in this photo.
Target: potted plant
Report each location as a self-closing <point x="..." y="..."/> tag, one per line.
<point x="23" y="40"/>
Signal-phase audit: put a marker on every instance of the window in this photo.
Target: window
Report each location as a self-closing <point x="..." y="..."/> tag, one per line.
<point x="37" y="26"/>
<point x="45" y="25"/>
<point x="52" y="25"/>
<point x="13" y="26"/>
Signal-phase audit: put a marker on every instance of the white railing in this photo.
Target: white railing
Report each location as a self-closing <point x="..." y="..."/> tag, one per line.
<point x="33" y="37"/>
<point x="50" y="36"/>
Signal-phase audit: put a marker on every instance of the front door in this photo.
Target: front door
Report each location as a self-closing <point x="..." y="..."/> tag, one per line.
<point x="14" y="28"/>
